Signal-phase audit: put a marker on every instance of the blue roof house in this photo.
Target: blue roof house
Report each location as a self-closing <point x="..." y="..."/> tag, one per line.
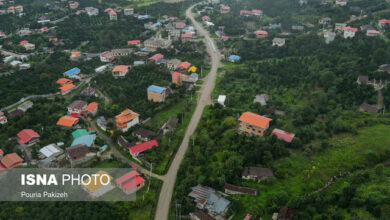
<point x="87" y="140"/>
<point x="143" y="17"/>
<point x="72" y="73"/>
<point x="157" y="93"/>
<point x="234" y="58"/>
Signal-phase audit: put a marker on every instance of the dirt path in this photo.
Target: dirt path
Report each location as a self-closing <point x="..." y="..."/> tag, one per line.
<point x="164" y="201"/>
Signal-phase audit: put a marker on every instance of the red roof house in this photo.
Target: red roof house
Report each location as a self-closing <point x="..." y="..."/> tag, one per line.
<point x="283" y="135"/>
<point x="180" y="25"/>
<point x="261" y="33"/>
<point x="156" y="57"/>
<point x="133" y="42"/>
<point x="23" y="42"/>
<point x="130" y="182"/>
<point x="245" y="12"/>
<point x="27" y="136"/>
<point x="139" y="148"/>
<point x="91" y="108"/>
<point x="206" y="18"/>
<point x="225" y="9"/>
<point x="349" y="28"/>
<point x="257" y="12"/>
<point x="177" y="78"/>
<point x="224" y="37"/>
<point x="186" y="36"/>
<point x="44" y="29"/>
<point x="106" y="56"/>
<point x="384" y="21"/>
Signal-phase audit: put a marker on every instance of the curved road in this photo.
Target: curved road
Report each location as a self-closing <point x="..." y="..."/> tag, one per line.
<point x="164" y="201"/>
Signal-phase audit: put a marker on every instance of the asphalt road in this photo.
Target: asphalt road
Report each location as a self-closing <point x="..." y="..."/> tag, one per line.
<point x="164" y="201"/>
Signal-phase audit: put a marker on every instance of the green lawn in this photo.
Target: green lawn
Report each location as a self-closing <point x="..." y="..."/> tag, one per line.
<point x="160" y="118"/>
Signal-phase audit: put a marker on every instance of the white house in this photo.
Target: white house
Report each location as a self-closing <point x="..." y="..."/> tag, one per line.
<point x="101" y="69"/>
<point x="278" y="42"/>
<point x="372" y="33"/>
<point x="221" y="99"/>
<point x="341" y="2"/>
<point x="91" y="11"/>
<point x="329" y="36"/>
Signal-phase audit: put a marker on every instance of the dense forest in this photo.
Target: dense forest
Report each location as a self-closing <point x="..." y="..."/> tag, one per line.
<point x="41" y="77"/>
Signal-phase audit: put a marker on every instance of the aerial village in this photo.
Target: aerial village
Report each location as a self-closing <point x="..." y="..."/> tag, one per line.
<point x="81" y="120"/>
<point x="96" y="126"/>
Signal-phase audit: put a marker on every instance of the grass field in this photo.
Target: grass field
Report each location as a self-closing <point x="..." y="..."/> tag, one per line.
<point x="160" y="118"/>
<point x="179" y="132"/>
<point x="300" y="175"/>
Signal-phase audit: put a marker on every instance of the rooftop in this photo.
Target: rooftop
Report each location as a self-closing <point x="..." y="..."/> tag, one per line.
<point x="120" y="68"/>
<point x="26" y="135"/>
<point x="126" y="116"/>
<point x="77" y="151"/>
<point x="255" y="119"/>
<point x="11" y="160"/>
<point x="139" y="148"/>
<point x="156" y="89"/>
<point x="87" y="140"/>
<point x="67" y="121"/>
<point x="284" y="135"/>
<point x="73" y="71"/>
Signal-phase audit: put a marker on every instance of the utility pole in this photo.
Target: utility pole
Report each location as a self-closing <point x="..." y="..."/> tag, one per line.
<point x="179" y="211"/>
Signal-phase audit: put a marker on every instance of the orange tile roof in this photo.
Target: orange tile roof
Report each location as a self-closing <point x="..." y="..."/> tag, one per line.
<point x="91" y="107"/>
<point x="255" y="119"/>
<point x="67" y="121"/>
<point x="67" y="87"/>
<point x="11" y="160"/>
<point x="120" y="68"/>
<point x="63" y="81"/>
<point x="76" y="53"/>
<point x="184" y="65"/>
<point x="125" y="116"/>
